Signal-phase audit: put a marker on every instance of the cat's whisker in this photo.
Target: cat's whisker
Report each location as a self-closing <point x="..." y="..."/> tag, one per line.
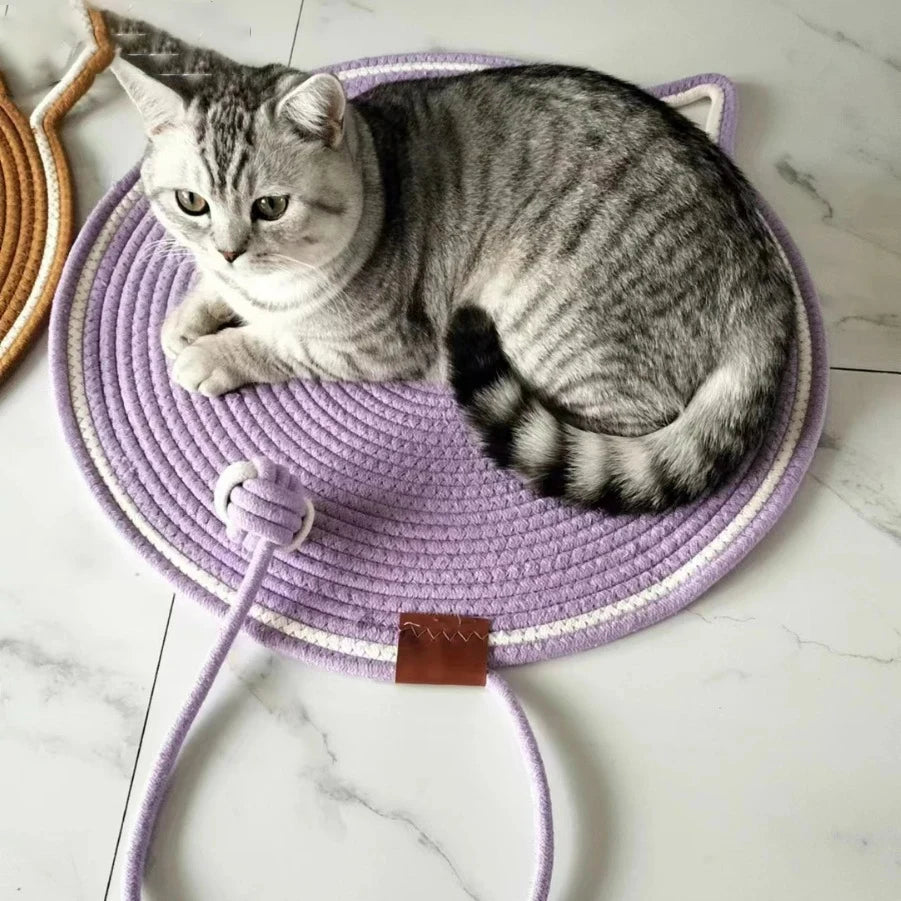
<point x="168" y="245"/>
<point x="294" y="261"/>
<point x="174" y="249"/>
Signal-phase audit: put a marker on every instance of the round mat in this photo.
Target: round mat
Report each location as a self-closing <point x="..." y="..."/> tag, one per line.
<point x="410" y="516"/>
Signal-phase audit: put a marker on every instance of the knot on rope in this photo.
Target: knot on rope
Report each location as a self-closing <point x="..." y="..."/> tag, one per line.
<point x="259" y="500"/>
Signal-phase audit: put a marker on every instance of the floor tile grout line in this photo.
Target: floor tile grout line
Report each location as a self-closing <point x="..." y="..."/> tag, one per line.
<point x="862" y="369"/>
<point x="134" y="771"/>
<point x="296" y="32"/>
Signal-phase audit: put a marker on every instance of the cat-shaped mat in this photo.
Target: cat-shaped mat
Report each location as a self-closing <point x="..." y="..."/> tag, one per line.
<point x="409" y="515"/>
<point x="36" y="198"/>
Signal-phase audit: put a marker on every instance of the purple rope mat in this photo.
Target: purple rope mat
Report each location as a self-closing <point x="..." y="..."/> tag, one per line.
<point x="409" y="516"/>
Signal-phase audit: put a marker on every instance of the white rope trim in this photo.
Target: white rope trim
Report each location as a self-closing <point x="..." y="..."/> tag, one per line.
<point x="709" y="91"/>
<point x="387" y="68"/>
<point x="388" y="653"/>
<point x="51" y="180"/>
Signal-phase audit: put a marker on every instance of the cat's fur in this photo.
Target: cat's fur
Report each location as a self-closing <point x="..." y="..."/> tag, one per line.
<point x="584" y="266"/>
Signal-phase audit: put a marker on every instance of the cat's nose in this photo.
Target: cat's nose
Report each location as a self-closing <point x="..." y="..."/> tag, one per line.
<point x="231" y="255"/>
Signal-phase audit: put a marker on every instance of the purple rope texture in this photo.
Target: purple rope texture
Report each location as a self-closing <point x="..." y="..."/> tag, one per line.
<point x="410" y="516"/>
<point x="275" y="522"/>
<point x="264" y="508"/>
<point x="541" y="793"/>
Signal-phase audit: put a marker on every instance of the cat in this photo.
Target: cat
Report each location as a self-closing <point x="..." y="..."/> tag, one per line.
<point x="584" y="267"/>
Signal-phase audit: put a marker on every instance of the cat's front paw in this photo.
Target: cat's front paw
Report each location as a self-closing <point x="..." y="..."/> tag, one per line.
<point x="194" y="318"/>
<point x="178" y="332"/>
<point x="204" y="368"/>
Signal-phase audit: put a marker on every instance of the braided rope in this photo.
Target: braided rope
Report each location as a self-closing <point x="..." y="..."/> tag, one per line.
<point x="265" y="509"/>
<point x="541" y="793"/>
<point x="37" y="193"/>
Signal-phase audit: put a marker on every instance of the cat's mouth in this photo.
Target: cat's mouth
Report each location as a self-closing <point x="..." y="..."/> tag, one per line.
<point x="248" y="262"/>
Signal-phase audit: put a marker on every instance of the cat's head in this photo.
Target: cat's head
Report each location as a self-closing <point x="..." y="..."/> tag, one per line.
<point x="249" y="168"/>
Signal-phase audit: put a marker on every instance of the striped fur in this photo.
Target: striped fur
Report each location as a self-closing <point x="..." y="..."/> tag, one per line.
<point x="652" y="472"/>
<point x="587" y="269"/>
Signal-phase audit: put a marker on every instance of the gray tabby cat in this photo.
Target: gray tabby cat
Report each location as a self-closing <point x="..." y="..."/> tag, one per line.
<point x="587" y="270"/>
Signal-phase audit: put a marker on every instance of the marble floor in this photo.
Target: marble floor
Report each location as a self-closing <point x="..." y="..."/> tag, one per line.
<point x="745" y="749"/>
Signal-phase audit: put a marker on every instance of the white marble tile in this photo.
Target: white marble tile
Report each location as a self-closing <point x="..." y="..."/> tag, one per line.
<point x="820" y="122"/>
<point x="858" y="460"/>
<point x="744" y="749"/>
<point x="81" y="620"/>
<point x="332" y="787"/>
<point x="81" y="616"/>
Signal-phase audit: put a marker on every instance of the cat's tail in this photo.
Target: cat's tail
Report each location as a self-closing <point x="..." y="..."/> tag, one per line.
<point x="648" y="473"/>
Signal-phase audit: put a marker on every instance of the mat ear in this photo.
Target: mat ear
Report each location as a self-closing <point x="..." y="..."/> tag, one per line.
<point x="316" y="106"/>
<point x="159" y="106"/>
<point x="704" y="102"/>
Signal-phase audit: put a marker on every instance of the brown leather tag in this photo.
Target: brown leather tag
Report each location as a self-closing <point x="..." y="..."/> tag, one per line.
<point x="442" y="650"/>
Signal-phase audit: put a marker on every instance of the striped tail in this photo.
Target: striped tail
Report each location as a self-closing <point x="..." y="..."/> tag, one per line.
<point x="644" y="474"/>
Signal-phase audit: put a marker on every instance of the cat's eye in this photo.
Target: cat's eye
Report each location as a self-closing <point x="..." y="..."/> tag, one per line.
<point x="191" y="203"/>
<point x="270" y="208"/>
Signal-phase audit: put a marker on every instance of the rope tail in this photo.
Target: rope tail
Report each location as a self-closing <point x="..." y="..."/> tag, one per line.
<point x="265" y="508"/>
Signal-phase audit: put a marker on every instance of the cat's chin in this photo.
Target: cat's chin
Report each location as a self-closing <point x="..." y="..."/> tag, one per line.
<point x="264" y="266"/>
<point x="275" y="289"/>
<point x="260" y="268"/>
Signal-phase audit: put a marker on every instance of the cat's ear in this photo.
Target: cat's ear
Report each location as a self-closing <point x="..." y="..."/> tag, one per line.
<point x="317" y="106"/>
<point x="158" y="104"/>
